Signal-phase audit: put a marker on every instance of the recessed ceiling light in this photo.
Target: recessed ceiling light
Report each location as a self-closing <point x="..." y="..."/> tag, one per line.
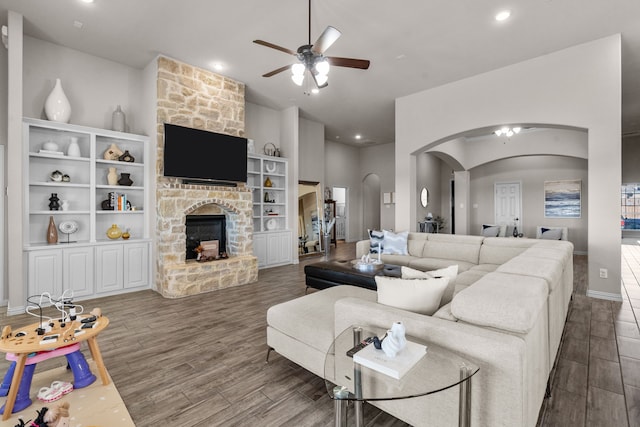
<point x="315" y="90"/>
<point x="503" y="15"/>
<point x="337" y="136"/>
<point x="358" y="136"/>
<point x="217" y="66"/>
<point x="78" y="24"/>
<point x="87" y="1"/>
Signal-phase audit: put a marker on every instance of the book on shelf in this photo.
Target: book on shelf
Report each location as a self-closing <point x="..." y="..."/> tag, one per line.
<point x="118" y="201"/>
<point x="395" y="367"/>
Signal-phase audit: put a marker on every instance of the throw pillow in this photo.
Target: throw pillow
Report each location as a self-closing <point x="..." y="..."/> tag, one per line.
<point x="418" y="296"/>
<point x="490" y="230"/>
<point x="451" y="272"/>
<point x="376" y="240"/>
<point x="395" y="243"/>
<point x="551" y="233"/>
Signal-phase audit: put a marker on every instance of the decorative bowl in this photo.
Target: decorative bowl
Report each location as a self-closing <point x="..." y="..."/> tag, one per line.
<point x="367" y="268"/>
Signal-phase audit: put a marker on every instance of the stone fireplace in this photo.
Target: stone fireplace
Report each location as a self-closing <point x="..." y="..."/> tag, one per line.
<point x="192" y="97"/>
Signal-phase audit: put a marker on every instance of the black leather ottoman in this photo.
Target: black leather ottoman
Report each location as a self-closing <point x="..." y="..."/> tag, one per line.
<point x="322" y="275"/>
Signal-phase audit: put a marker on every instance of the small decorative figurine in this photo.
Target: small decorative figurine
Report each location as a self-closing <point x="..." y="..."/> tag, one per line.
<point x="125" y="179"/>
<point x="54" y="202"/>
<point x="395" y="340"/>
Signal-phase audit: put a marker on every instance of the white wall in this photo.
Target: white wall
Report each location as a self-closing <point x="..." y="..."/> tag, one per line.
<point x="531" y="172"/>
<point x="311" y="154"/>
<point x="578" y="87"/>
<point x="262" y="124"/>
<point x="94" y="86"/>
<point x="378" y="159"/>
<point x="342" y="164"/>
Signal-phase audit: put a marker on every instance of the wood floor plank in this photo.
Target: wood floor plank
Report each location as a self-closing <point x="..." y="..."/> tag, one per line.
<point x="605" y="408"/>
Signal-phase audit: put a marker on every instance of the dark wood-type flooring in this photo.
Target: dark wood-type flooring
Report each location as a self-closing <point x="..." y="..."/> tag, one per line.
<point x="200" y="361"/>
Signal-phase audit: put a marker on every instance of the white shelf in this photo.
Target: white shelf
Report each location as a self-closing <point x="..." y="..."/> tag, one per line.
<point x="59" y="157"/>
<point x="59" y="184"/>
<point x="119" y="163"/>
<point x="59" y="212"/>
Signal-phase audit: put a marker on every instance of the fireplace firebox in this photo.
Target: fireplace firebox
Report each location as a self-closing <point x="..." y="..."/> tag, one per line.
<point x="205" y="227"/>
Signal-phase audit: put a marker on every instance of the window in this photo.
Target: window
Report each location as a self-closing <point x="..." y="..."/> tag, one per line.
<point x="630" y="207"/>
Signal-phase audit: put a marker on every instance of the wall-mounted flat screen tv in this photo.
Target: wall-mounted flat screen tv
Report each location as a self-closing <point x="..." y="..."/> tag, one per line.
<point x="200" y="155"/>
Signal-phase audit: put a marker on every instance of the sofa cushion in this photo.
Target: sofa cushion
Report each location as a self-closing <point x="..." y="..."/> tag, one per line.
<point x="496" y="250"/>
<point x="415" y="246"/>
<point x="451" y="272"/>
<point x="453" y="247"/>
<point x="444" y="312"/>
<point x="426" y="264"/>
<point x="397" y="259"/>
<point x="502" y="301"/>
<point x="545" y="268"/>
<point x="417" y="295"/>
<point x="313" y="314"/>
<point x="487" y="268"/>
<point x="565" y="255"/>
<point x="395" y="243"/>
<point x="467" y="279"/>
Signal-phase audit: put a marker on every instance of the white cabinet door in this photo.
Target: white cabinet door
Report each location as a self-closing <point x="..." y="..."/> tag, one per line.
<point x="260" y="248"/>
<point x="77" y="270"/>
<point x="109" y="268"/>
<point x="279" y="248"/>
<point x="45" y="272"/>
<point x="136" y="265"/>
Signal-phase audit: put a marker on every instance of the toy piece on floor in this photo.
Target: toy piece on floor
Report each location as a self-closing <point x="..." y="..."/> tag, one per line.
<point x="58" y="416"/>
<point x="38" y="422"/>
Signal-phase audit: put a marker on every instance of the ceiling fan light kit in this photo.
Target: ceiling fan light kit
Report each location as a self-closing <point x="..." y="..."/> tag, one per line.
<point x="311" y="58"/>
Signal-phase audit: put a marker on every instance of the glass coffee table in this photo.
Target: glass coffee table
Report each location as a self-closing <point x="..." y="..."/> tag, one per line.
<point x="438" y="370"/>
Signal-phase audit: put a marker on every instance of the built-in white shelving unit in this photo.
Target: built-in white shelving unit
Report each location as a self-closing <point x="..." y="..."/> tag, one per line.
<point x="267" y="179"/>
<point x="91" y="264"/>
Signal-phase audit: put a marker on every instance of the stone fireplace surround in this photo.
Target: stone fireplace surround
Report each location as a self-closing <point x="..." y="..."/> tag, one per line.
<point x="177" y="277"/>
<point x="197" y="98"/>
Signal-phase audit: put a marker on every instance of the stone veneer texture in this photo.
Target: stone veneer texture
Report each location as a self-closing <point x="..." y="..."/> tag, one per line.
<point x="196" y="98"/>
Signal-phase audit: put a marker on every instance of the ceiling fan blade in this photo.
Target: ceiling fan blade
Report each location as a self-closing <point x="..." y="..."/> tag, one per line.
<point x="276" y="71"/>
<point x="349" y="62"/>
<point x="274" y="46"/>
<point x="326" y="39"/>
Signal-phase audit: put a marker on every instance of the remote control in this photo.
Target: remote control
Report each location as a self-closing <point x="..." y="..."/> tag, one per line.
<point x="359" y="346"/>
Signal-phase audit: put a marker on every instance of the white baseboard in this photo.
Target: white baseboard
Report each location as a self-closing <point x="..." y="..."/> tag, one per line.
<point x="604" y="295"/>
<point x="15" y="310"/>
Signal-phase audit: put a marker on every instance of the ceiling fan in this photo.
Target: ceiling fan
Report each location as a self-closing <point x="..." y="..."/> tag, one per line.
<point x="311" y="58"/>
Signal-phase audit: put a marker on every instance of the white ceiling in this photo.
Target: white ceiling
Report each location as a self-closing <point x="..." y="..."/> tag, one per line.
<point x="413" y="45"/>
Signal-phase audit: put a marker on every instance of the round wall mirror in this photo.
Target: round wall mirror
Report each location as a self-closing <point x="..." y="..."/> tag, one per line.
<point x="424" y="197"/>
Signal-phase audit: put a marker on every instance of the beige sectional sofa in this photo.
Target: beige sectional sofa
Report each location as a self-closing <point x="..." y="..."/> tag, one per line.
<point x="505" y="313"/>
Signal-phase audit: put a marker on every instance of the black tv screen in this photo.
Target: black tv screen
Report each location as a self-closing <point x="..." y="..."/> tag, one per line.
<point x="202" y="155"/>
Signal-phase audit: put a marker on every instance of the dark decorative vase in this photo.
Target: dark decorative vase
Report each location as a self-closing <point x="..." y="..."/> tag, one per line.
<point x="125" y="179"/>
<point x="54" y="203"/>
<point x="515" y="231"/>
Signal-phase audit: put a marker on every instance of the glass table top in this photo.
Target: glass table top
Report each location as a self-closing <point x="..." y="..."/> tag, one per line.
<point x="438" y="370"/>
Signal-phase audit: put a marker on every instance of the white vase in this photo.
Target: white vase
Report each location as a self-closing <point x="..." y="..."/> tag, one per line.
<point x="118" y="120"/>
<point x="112" y="177"/>
<point x="74" y="149"/>
<point x="57" y="107"/>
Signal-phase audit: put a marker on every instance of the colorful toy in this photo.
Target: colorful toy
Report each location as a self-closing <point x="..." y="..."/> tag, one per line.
<point x="58" y="416"/>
